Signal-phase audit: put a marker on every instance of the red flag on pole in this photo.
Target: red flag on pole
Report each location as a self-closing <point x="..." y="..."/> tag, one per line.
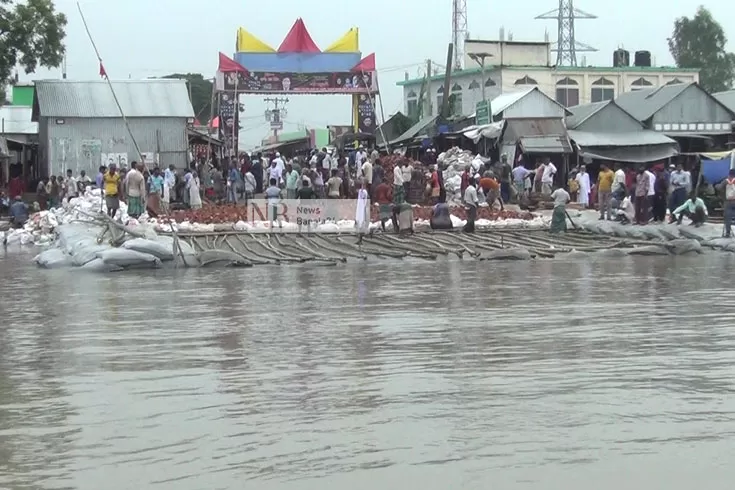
<point x="229" y="65"/>
<point x="103" y="73"/>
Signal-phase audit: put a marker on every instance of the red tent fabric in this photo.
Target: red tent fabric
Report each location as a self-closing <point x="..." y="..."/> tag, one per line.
<point x="365" y="64"/>
<point x="298" y="40"/>
<point x="214" y="123"/>
<point x="227" y="64"/>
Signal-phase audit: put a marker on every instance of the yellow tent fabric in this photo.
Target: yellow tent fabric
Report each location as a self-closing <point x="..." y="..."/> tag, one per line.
<point x="247" y="43"/>
<point x="349" y="43"/>
<point x="719" y="155"/>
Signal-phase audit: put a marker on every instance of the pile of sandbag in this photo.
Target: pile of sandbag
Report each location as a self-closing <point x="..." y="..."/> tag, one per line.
<point x="78" y="245"/>
<point x="39" y="230"/>
<point x="454" y="162"/>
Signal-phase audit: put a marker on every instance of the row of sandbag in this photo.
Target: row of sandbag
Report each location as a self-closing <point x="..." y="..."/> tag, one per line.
<point x="77" y="246"/>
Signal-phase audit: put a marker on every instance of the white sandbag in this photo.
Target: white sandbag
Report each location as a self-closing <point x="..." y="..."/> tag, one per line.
<point x="122" y="257"/>
<point x="99" y="265"/>
<point x="168" y="242"/>
<point x="53" y="258"/>
<point x="83" y="255"/>
<point x="151" y="247"/>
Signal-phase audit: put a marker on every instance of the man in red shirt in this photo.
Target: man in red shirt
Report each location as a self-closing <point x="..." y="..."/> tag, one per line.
<point x="384" y="198"/>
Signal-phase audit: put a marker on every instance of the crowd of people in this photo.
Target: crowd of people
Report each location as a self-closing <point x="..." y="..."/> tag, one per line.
<point x="625" y="193"/>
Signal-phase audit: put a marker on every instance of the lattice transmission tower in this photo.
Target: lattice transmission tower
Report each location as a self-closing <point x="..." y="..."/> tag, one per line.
<point x="459" y="31"/>
<point x="567" y="46"/>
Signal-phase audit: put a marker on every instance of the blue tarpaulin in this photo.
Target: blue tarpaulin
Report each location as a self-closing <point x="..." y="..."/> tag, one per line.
<point x="714" y="171"/>
<point x="299" y="62"/>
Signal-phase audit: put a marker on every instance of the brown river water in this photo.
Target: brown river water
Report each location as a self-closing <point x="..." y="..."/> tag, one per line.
<point x="565" y="374"/>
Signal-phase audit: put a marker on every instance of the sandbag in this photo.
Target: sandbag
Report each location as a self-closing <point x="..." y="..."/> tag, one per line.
<point x="718" y="243"/>
<point x="151" y="247"/>
<point x="612" y="252"/>
<point x="53" y="258"/>
<point x="669" y="232"/>
<point x="634" y="233"/>
<point x="690" y="234"/>
<point x="127" y="258"/>
<point x="86" y="254"/>
<point x="99" y="265"/>
<point x="683" y="246"/>
<point x="168" y="242"/>
<point x="506" y="254"/>
<point x="648" y="250"/>
<point x="651" y="233"/>
<point x="209" y="257"/>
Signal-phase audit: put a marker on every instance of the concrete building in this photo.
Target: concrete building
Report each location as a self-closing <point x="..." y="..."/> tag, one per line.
<point x="81" y="128"/>
<point x="513" y="65"/>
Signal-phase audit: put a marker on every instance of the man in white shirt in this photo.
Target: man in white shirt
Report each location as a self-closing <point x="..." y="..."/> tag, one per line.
<point x="618" y="185"/>
<point x="547" y="179"/>
<point x="72" y="188"/>
<point x="681" y="182"/>
<point x="471" y="202"/>
<point x="399" y="191"/>
<point x="279" y="162"/>
<point x="651" y="188"/>
<point x="407" y="174"/>
<point x="360" y="155"/>
<point x="367" y="175"/>
<point x="275" y="173"/>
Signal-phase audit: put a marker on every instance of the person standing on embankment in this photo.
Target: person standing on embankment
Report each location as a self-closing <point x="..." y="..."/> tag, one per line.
<point x="604" y="190"/>
<point x="729" y="203"/>
<point x="111" y="189"/>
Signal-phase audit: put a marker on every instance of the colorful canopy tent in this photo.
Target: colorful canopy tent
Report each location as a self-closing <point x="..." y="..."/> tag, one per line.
<point x="246" y="42"/>
<point x="298" y="53"/>
<point x="349" y="43"/>
<point x="298" y="40"/>
<point x="365" y="64"/>
<point x="716" y="166"/>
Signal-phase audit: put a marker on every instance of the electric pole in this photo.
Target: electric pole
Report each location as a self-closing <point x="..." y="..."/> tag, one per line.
<point x="567" y="45"/>
<point x="459" y="31"/>
<point x="276" y="114"/>
<point x="429" y="93"/>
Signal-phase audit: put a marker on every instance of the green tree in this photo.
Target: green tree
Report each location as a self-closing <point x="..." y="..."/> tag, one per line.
<point x="200" y="90"/>
<point x="700" y="42"/>
<point x="31" y="34"/>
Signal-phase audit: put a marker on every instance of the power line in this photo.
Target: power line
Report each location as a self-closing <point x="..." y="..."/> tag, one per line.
<point x="567" y="45"/>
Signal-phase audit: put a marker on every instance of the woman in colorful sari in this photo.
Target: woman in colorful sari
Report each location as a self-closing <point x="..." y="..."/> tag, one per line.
<point x="559" y="216"/>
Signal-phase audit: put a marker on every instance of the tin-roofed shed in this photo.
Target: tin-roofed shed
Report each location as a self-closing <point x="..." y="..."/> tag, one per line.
<point x="80" y="125"/>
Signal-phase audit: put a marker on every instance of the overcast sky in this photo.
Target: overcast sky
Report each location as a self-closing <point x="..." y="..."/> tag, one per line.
<point x="146" y="38"/>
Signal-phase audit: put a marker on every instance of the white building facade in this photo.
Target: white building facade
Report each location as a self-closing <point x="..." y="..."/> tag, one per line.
<point x="511" y="65"/>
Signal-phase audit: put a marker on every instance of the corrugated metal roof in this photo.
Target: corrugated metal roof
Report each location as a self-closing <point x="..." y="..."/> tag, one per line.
<point x="517" y="128"/>
<point x="583" y="112"/>
<point x="16" y="119"/>
<point x="638" y="138"/>
<point x="642" y="104"/>
<point x="417" y="128"/>
<point x="502" y="102"/>
<point x="546" y="144"/>
<point x="726" y="98"/>
<point x="94" y="99"/>
<point x="631" y="154"/>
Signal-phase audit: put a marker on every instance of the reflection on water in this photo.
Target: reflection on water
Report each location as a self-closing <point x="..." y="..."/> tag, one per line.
<point x="572" y="374"/>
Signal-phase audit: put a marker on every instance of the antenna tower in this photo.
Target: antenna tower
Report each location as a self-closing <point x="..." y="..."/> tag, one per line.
<point x="459" y="31"/>
<point x="567" y="46"/>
